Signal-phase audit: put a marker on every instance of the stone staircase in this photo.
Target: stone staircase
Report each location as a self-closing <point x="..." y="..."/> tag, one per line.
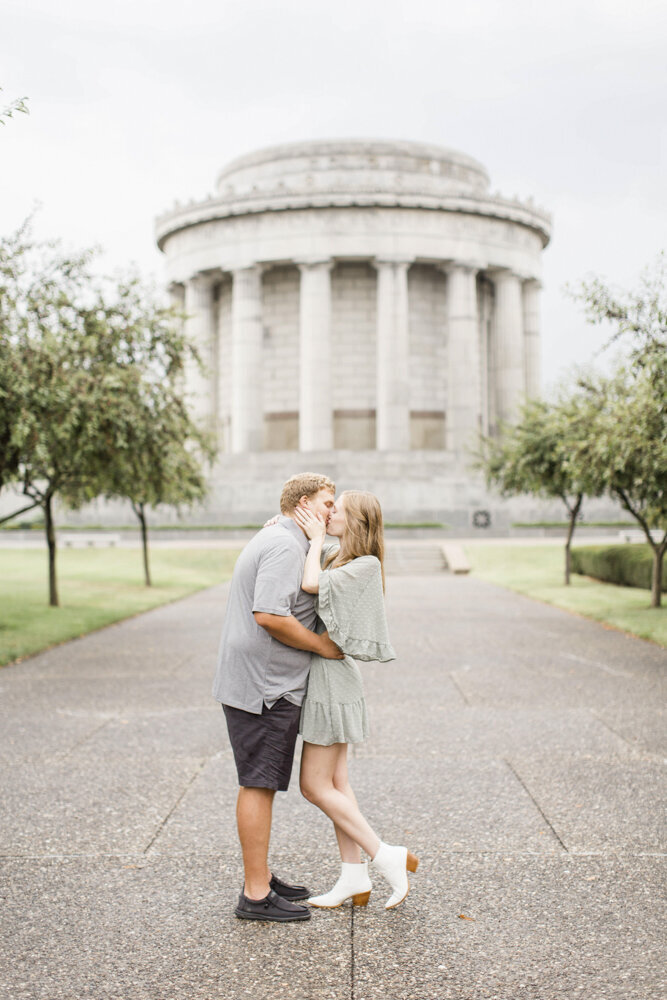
<point x="407" y="558"/>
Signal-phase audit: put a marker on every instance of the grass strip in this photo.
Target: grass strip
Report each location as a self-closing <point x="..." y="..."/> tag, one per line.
<point x="580" y="524"/>
<point x="537" y="571"/>
<point x="96" y="587"/>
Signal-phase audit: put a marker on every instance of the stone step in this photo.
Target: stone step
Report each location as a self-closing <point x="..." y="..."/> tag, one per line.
<point x="455" y="558"/>
<point x="405" y="558"/>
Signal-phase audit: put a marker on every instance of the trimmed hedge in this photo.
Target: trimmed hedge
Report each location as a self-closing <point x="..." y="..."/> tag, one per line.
<point x="629" y="565"/>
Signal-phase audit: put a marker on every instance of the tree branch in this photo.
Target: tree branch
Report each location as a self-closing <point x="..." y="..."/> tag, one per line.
<point x="16" y="513"/>
<point x="29" y="490"/>
<point x="642" y="520"/>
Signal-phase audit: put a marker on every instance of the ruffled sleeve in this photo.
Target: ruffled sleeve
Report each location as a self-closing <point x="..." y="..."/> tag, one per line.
<point x="351" y="605"/>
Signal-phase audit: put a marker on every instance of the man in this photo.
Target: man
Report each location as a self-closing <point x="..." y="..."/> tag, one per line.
<point x="261" y="677"/>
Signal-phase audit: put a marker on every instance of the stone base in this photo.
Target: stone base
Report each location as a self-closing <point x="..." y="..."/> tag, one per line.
<point x="413" y="487"/>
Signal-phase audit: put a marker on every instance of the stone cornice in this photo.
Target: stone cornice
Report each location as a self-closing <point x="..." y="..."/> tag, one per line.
<point x="217" y="208"/>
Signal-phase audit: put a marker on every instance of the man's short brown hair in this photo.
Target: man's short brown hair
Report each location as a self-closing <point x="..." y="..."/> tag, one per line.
<point x="305" y="484"/>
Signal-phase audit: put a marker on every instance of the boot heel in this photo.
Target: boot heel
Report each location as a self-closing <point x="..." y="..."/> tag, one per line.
<point x="412" y="862"/>
<point x="361" y="898"/>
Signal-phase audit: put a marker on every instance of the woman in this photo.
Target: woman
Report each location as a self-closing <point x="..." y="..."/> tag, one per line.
<point x="349" y="582"/>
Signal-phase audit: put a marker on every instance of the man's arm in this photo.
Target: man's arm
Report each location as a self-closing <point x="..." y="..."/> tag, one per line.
<point x="289" y="630"/>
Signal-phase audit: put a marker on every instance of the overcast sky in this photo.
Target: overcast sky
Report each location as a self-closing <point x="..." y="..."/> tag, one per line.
<point x="136" y="103"/>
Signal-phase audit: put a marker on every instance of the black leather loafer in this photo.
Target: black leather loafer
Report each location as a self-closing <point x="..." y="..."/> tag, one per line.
<point x="272" y="907"/>
<point x="292" y="892"/>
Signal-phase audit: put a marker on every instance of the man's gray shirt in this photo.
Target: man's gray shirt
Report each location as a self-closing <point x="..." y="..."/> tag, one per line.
<point x="253" y="668"/>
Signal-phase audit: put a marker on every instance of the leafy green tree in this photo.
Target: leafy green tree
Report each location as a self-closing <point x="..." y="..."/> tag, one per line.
<point x="68" y="411"/>
<point x="19" y="105"/>
<point x="163" y="458"/>
<point x="535" y="456"/>
<point x="625" y="453"/>
<point x="626" y="450"/>
<point x="637" y="318"/>
<point x="86" y="359"/>
<point x="11" y="249"/>
<point x="9" y="376"/>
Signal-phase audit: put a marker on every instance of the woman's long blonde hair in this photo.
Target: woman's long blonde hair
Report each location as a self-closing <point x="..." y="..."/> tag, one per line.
<point x="364" y="530"/>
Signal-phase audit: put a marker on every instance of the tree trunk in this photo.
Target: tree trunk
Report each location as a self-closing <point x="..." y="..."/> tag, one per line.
<point x="656" y="579"/>
<point x="51" y="544"/>
<point x="658" y="550"/>
<point x="574" y="513"/>
<point x="141" y="514"/>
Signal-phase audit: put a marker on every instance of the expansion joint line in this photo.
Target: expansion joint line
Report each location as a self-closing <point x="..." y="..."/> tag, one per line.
<point x="352" y="950"/>
<point x="88" y="736"/>
<point x="174" y="808"/>
<point x="535" y="803"/>
<point x="460" y="690"/>
<point x="611" y="729"/>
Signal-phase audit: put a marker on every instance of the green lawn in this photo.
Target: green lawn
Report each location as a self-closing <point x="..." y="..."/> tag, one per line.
<point x="96" y="587"/>
<point x="537" y="571"/>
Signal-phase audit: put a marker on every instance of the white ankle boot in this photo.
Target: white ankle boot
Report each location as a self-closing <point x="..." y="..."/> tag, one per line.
<point x="394" y="863"/>
<point x="353" y="881"/>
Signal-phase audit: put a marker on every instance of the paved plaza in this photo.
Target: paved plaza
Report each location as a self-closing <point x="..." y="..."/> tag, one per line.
<point x="514" y="747"/>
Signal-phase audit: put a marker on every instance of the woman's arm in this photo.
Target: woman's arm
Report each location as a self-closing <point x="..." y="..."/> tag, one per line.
<point x="316" y="529"/>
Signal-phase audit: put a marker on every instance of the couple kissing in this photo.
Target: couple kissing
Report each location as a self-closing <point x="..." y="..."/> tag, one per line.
<point x="300" y="611"/>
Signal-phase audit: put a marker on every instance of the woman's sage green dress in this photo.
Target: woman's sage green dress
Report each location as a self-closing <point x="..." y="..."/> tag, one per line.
<point x="350" y="604"/>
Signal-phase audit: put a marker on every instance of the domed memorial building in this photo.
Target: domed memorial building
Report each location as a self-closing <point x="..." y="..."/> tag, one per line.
<point x="364" y="308"/>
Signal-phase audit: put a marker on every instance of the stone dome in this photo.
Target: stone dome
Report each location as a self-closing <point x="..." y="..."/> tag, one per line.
<point x="348" y="168"/>
<point x="352" y="173"/>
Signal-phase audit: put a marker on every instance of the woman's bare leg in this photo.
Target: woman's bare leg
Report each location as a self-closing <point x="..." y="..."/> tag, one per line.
<point x="350" y="851"/>
<point x="318" y="767"/>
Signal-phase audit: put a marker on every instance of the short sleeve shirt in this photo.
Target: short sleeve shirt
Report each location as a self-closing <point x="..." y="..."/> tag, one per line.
<point x="253" y="668"/>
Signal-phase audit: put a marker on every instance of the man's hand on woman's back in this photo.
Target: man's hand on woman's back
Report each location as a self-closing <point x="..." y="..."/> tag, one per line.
<point x="330" y="651"/>
<point x="289" y="631"/>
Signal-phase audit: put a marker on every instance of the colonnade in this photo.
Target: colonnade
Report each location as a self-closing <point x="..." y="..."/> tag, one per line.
<point x="510" y="361"/>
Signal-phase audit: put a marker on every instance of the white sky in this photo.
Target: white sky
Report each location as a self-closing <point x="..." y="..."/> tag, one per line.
<point x="138" y="102"/>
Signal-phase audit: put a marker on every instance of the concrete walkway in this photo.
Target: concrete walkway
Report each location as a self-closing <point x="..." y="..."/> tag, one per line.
<point x="515" y="748"/>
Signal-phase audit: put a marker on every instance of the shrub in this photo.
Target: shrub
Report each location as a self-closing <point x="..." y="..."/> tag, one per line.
<point x="627" y="565"/>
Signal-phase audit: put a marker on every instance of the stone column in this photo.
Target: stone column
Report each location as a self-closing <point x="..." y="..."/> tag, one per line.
<point x="224" y="365"/>
<point x="177" y="296"/>
<point x="247" y="416"/>
<point x="509" y="353"/>
<point x="200" y="329"/>
<point x="463" y="358"/>
<point x="486" y="394"/>
<point x="531" y="333"/>
<point x="315" y="372"/>
<point x="393" y="375"/>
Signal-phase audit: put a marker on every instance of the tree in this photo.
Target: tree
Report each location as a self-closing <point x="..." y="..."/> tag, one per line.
<point x="81" y="360"/>
<point x="636" y="317"/>
<point x="627" y="450"/>
<point x="161" y="461"/>
<point x="9" y="376"/>
<point x="535" y="456"/>
<point x="50" y="325"/>
<point x="20" y="105"/>
<point x="10" y="370"/>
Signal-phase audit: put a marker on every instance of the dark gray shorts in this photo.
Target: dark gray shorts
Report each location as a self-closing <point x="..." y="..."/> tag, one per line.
<point x="264" y="744"/>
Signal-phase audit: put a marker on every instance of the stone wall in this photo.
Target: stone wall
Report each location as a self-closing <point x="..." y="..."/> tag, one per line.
<point x="353" y="337"/>
<point x="428" y="356"/>
<point x="280" y="305"/>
